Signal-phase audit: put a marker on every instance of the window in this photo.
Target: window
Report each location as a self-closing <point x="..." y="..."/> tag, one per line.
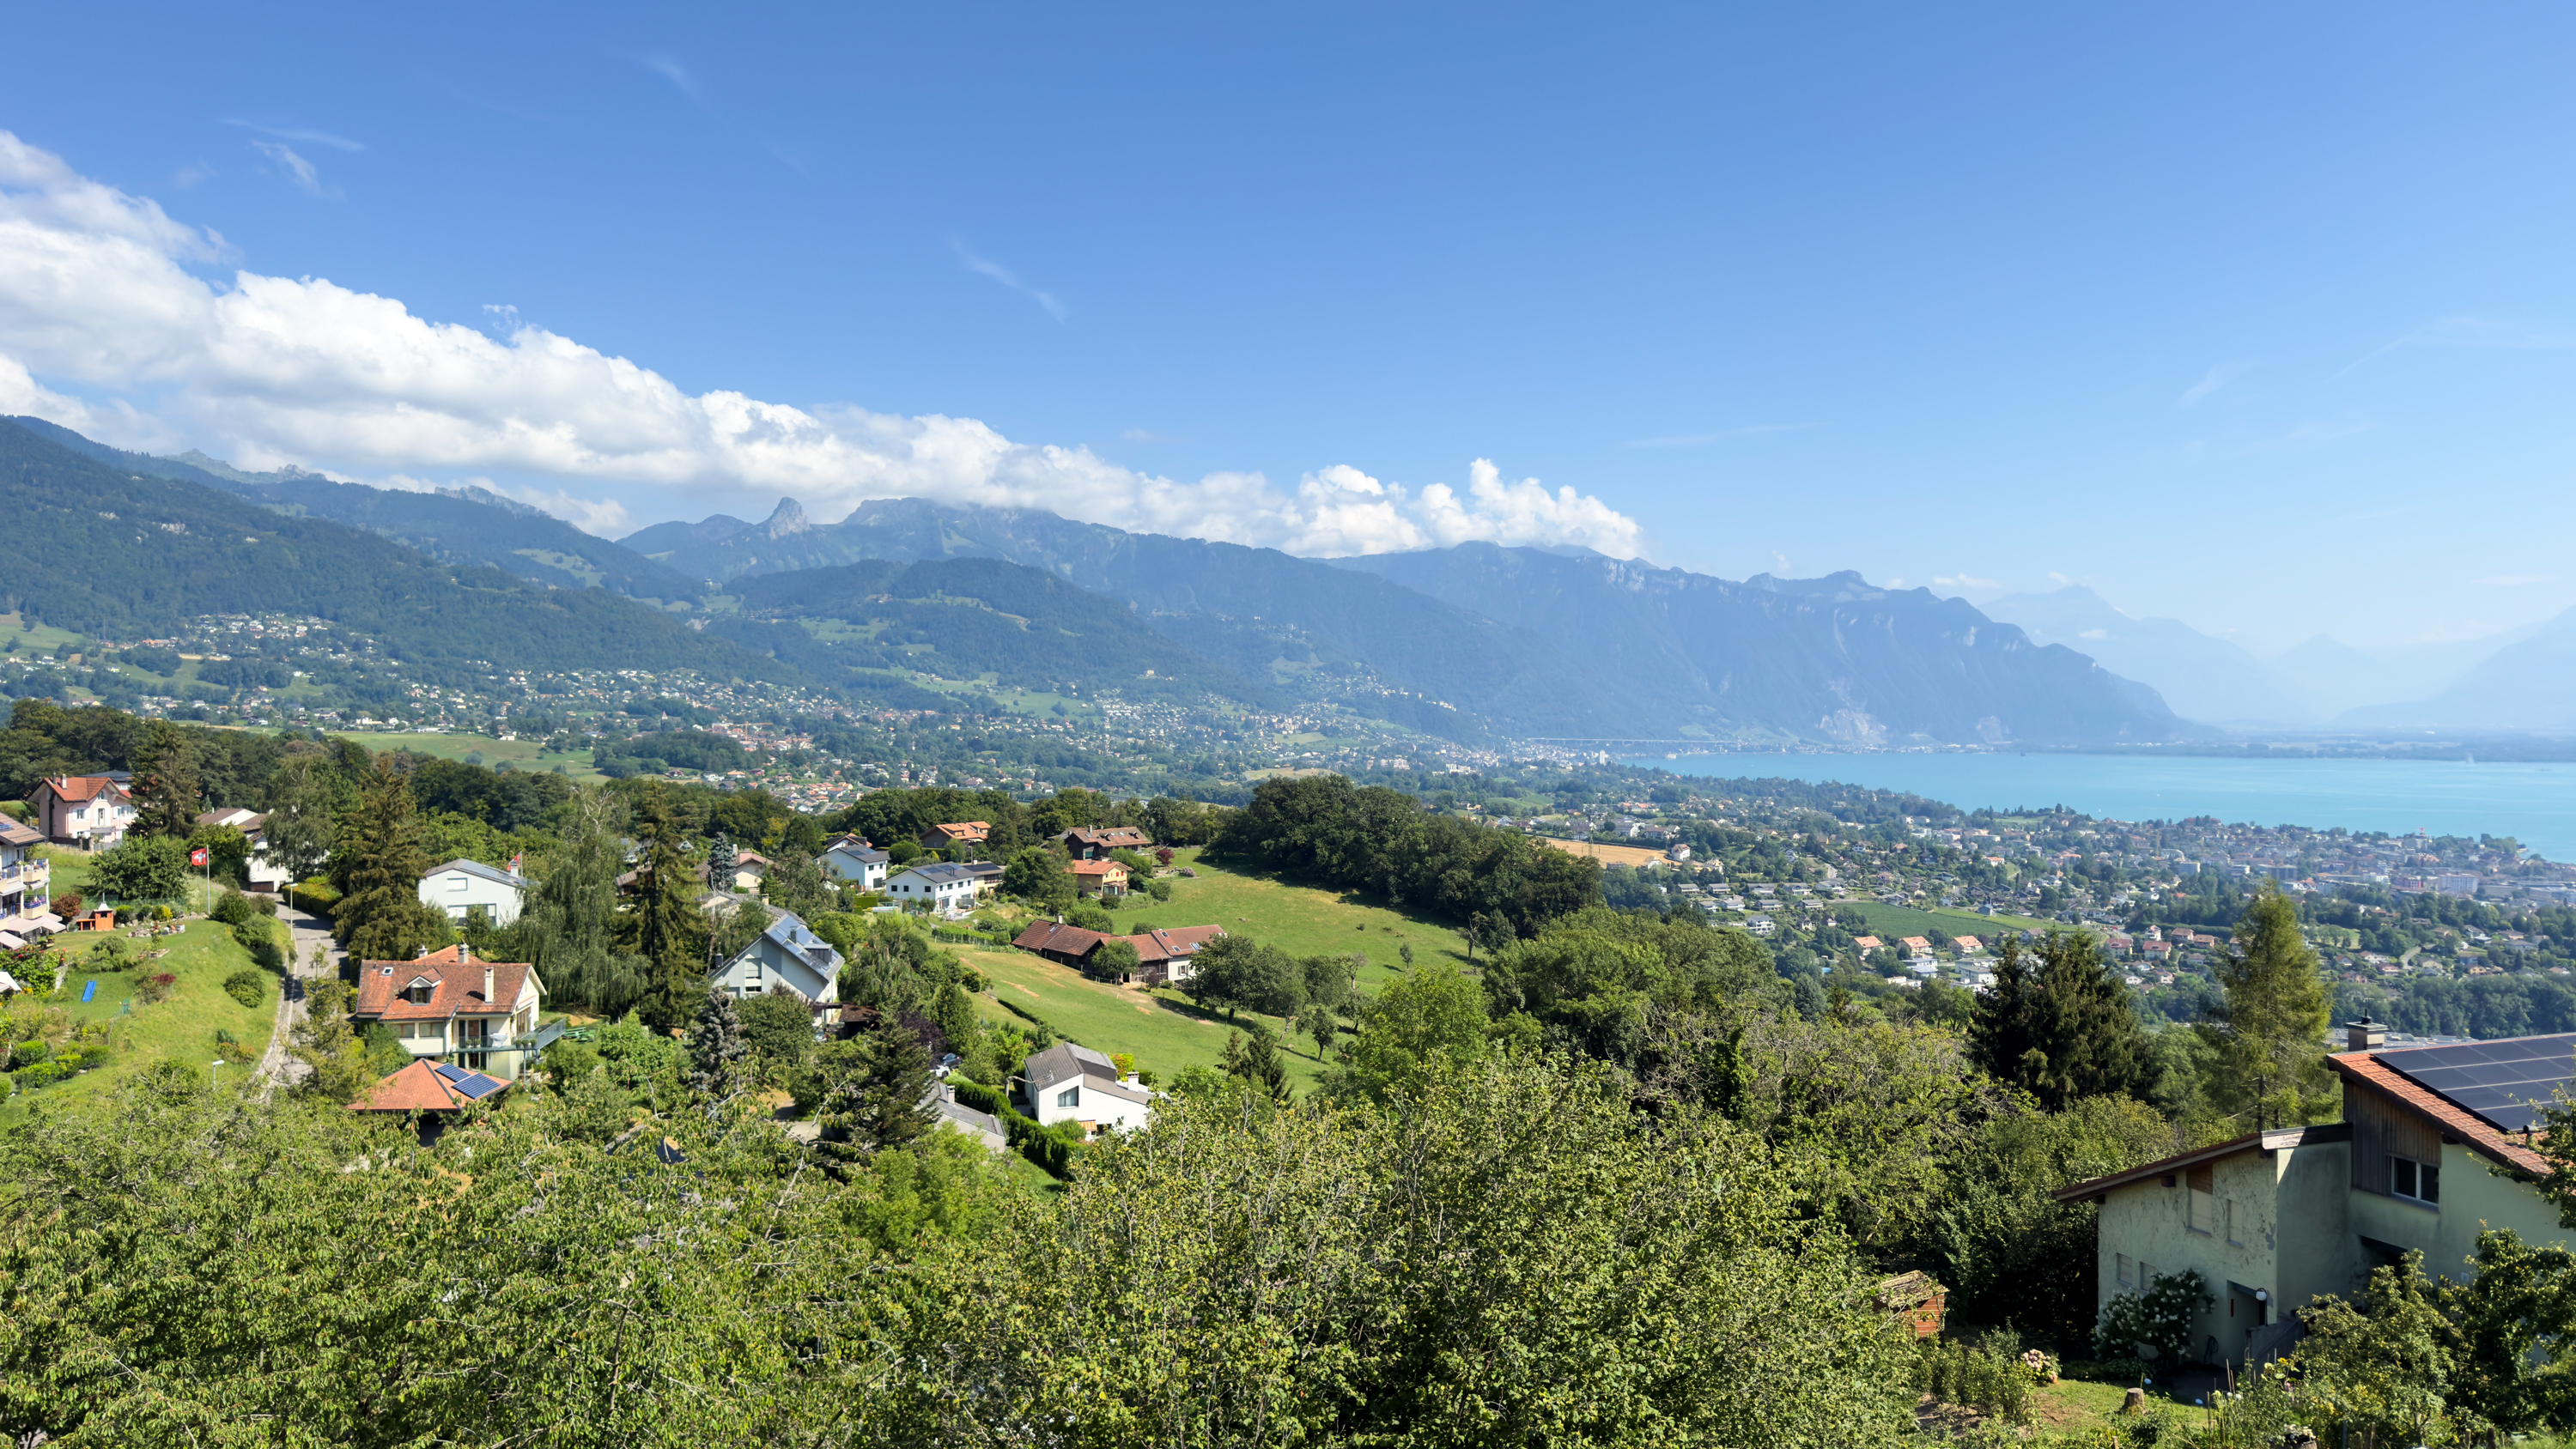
<point x="2200" y="1206"/>
<point x="2227" y="1216"/>
<point x="2146" y="1276"/>
<point x="1069" y="1097"/>
<point x="2421" y="1181"/>
<point x="2125" y="1279"/>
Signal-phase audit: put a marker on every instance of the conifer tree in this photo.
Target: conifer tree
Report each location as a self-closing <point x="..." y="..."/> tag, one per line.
<point x="2270" y="1035"/>
<point x="717" y="1048"/>
<point x="665" y="927"/>
<point x="2058" y="1025"/>
<point x="165" y="782"/>
<point x="879" y="1100"/>
<point x="1254" y="1061"/>
<point x="378" y="868"/>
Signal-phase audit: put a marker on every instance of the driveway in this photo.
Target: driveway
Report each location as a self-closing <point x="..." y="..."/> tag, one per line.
<point x="278" y="1068"/>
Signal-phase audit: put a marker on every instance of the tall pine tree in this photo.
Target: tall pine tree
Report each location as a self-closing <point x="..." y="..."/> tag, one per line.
<point x="718" y="1051"/>
<point x="2058" y="1025"/>
<point x="665" y="927"/>
<point x="165" y="782"/>
<point x="2270" y="1035"/>
<point x="878" y="1097"/>
<point x="378" y="868"/>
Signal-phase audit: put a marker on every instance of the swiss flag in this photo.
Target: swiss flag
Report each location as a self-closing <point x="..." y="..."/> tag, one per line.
<point x="197" y="856"/>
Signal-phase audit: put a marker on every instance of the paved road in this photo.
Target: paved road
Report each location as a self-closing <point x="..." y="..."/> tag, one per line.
<point x="277" y="1068"/>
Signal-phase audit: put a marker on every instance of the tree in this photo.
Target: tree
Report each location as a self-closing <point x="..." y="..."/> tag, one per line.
<point x="2383" y="1367"/>
<point x="1317" y="1021"/>
<point x="879" y="1081"/>
<point x="1237" y="972"/>
<point x="1036" y="876"/>
<point x="717" y="1050"/>
<point x="2270" y="1036"/>
<point x="778" y="1031"/>
<point x="1422" y="1024"/>
<point x="572" y="921"/>
<point x="795" y="882"/>
<point x="165" y="782"/>
<point x="153" y="868"/>
<point x="2516" y="1336"/>
<point x="2058" y="1025"/>
<point x="1254" y="1061"/>
<point x="723" y="860"/>
<point x="1112" y="960"/>
<point x="665" y="927"/>
<point x="955" y="1016"/>
<point x="380" y="916"/>
<point x="325" y="1041"/>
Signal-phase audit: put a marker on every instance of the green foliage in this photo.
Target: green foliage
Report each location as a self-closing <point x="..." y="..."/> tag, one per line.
<point x="2271" y="1065"/>
<point x="2382" y="1367"/>
<point x="2160" y="1318"/>
<point x="1112" y="960"/>
<point x="778" y="1031"/>
<point x="2059" y="1026"/>
<point x="247" y="986"/>
<point x="153" y="868"/>
<point x="2511" y="1342"/>
<point x="1325" y="829"/>
<point x="233" y="909"/>
<point x="1514" y="1258"/>
<point x="1989" y="1377"/>
<point x="1238" y="973"/>
<point x="379" y="916"/>
<point x="717" y="1052"/>
<point x="572" y="920"/>
<point x="1090" y="916"/>
<point x="664" y="928"/>
<point x="874" y="1085"/>
<point x="1254" y="1061"/>
<point x="1424" y="1025"/>
<point x="1596" y="980"/>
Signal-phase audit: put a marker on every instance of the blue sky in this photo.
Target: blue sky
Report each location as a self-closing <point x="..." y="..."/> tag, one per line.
<point x="2262" y="318"/>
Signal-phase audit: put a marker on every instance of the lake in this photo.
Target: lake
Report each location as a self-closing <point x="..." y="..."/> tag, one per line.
<point x="2533" y="803"/>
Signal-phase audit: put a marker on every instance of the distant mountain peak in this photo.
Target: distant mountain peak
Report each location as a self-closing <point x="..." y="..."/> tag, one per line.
<point x="787" y="518"/>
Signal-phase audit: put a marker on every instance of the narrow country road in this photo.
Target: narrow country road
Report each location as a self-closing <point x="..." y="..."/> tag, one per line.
<point x="277" y="1068"/>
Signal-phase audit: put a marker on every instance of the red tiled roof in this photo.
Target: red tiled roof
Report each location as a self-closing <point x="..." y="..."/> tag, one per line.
<point x="416" y="1088"/>
<point x="1866" y="943"/>
<point x="456" y="981"/>
<point x="1094" y="867"/>
<point x="967" y="831"/>
<point x="79" y="788"/>
<point x="1117" y="835"/>
<point x="2470" y="1128"/>
<point x="1175" y="944"/>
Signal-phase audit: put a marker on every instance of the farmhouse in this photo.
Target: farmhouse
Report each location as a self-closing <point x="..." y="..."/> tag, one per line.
<point x="2273" y="1219"/>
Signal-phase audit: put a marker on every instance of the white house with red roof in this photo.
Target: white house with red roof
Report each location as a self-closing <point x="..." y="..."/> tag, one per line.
<point x="480" y="1015"/>
<point x="2434" y="1147"/>
<point x="90" y="811"/>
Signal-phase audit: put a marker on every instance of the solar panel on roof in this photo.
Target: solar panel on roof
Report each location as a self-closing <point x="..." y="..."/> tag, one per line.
<point x="476" y="1086"/>
<point x="2502" y="1082"/>
<point x="453" y="1074"/>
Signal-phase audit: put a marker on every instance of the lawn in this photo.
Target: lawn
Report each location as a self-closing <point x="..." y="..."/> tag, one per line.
<point x="180" y="1029"/>
<point x="518" y="754"/>
<point x="1162" y="1029"/>
<point x="1893" y="922"/>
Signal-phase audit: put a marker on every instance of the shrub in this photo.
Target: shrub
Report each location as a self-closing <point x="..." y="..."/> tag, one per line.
<point x="2160" y="1318"/>
<point x="159" y="988"/>
<point x="980" y="1097"/>
<point x="247" y="986"/>
<point x="1988" y="1379"/>
<point x="1160" y="890"/>
<point x="233" y="910"/>
<point x="28" y="1053"/>
<point x="68" y="904"/>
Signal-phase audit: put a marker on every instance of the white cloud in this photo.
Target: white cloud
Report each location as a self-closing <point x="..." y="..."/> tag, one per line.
<point x="679" y="77"/>
<point x="1965" y="582"/>
<point x="1008" y="278"/>
<point x="97" y="299"/>
<point x="293" y="133"/>
<point x="297" y="169"/>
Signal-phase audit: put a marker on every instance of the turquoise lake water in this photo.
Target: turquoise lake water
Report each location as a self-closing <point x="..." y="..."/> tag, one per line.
<point x="2534" y="803"/>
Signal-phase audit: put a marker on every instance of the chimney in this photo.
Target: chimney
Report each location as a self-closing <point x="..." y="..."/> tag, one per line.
<point x="487" y="981"/>
<point x="2364" y="1035"/>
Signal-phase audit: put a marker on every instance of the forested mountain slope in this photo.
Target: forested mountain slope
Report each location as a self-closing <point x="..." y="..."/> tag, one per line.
<point x="964" y="618"/>
<point x="108" y="551"/>
<point x="1831" y="657"/>
<point x="461" y="525"/>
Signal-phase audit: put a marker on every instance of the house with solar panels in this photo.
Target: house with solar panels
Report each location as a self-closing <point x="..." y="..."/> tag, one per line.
<point x="786" y="957"/>
<point x="2434" y="1148"/>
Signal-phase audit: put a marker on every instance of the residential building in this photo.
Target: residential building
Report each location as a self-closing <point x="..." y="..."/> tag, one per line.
<point x="854" y="860"/>
<point x="1068" y="1083"/>
<point x="2273" y="1219"/>
<point x="480" y="1015"/>
<point x="461" y="887"/>
<point x="1089" y="844"/>
<point x="1058" y="942"/>
<point x="1760" y="925"/>
<point x="984" y="1127"/>
<point x="1163" y="957"/>
<point x="263" y="873"/>
<point x="785" y="958"/>
<point x="1097" y="878"/>
<point x="25" y="883"/>
<point x="937" y="887"/>
<point x="89" y="811"/>
<point x="427" y="1086"/>
<point x="955" y="835"/>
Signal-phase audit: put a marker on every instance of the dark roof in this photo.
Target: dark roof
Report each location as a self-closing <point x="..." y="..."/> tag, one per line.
<point x="479" y="871"/>
<point x="2271" y="1141"/>
<point x="1057" y="937"/>
<point x="2480" y="1135"/>
<point x="427" y="1086"/>
<point x="941" y="873"/>
<point x="1065" y="1061"/>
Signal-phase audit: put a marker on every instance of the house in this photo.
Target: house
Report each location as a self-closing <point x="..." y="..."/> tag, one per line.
<point x="854" y="860"/>
<point x="263" y="873"/>
<point x="2275" y="1218"/>
<point x="1760" y="925"/>
<point x="955" y="835"/>
<point x="1867" y="943"/>
<point x="1680" y="851"/>
<point x="25" y="883"/>
<point x="938" y="887"/>
<point x="89" y="811"/>
<point x="1068" y="1083"/>
<point x="1967" y="945"/>
<point x="750" y="868"/>
<point x="1097" y="877"/>
<point x="984" y="1127"/>
<point x="447" y="1006"/>
<point x="427" y="1086"/>
<point x="1058" y="942"/>
<point x="786" y="958"/>
<point x="1915" y="945"/>
<point x="1090" y="844"/>
<point x="462" y="886"/>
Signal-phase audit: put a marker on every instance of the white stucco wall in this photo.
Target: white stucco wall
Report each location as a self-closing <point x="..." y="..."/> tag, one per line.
<point x="456" y="893"/>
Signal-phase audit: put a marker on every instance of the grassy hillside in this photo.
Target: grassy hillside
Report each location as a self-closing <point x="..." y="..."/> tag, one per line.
<point x="181" y="1029"/>
<point x="1163" y="1029"/>
<point x="517" y="754"/>
<point x="1890" y="922"/>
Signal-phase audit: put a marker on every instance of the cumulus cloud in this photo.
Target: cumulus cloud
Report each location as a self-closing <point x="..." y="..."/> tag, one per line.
<point x="98" y="300"/>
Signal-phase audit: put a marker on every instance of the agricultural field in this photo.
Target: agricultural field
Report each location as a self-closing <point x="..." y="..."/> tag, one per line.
<point x="1890" y="922"/>
<point x="1162" y="1029"/>
<point x="1630" y="855"/>
<point x="181" y="1029"/>
<point x="482" y="749"/>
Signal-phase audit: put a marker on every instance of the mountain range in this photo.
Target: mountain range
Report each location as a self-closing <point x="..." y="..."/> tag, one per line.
<point x="1462" y="643"/>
